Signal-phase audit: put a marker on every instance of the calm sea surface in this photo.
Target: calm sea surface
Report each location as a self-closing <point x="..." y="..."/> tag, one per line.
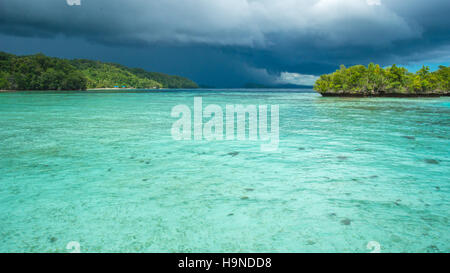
<point x="102" y="169"/>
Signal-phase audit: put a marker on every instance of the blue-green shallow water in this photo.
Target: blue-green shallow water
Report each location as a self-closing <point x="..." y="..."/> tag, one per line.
<point x="102" y="169"/>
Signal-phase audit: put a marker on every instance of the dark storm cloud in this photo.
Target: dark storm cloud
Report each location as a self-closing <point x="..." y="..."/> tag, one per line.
<point x="245" y="40"/>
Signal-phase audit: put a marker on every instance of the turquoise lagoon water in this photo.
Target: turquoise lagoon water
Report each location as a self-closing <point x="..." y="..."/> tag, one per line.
<point x="102" y="169"/>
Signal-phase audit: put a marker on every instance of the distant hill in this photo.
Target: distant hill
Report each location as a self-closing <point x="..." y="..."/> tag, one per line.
<point x="39" y="72"/>
<point x="275" y="86"/>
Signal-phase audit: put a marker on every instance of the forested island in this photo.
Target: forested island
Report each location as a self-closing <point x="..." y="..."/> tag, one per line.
<point x="394" y="81"/>
<point x="39" y="72"/>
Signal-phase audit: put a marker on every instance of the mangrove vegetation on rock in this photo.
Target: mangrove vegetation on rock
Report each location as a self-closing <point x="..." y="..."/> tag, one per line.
<point x="374" y="80"/>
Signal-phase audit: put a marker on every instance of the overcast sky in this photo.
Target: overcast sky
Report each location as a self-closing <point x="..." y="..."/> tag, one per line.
<point x="227" y="43"/>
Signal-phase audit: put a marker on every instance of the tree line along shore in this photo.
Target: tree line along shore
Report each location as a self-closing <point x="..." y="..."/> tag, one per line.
<point x="375" y="81"/>
<point x="39" y="72"/>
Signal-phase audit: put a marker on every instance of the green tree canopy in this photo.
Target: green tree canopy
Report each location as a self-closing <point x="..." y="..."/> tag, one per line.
<point x="39" y="72"/>
<point x="374" y="80"/>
